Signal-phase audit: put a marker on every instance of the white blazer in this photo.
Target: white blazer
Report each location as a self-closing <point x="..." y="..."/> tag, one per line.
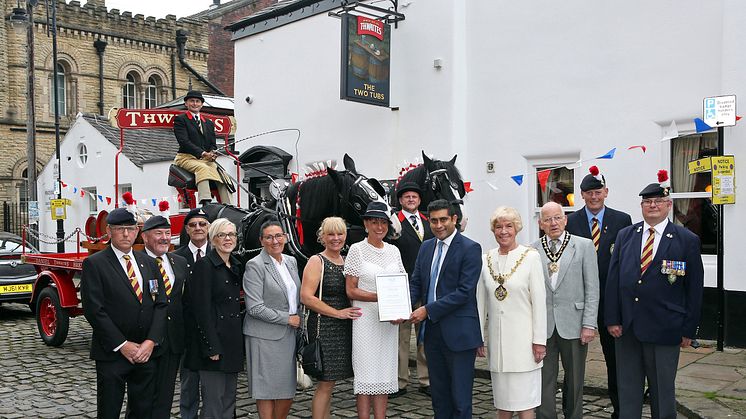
<point x="520" y="320"/>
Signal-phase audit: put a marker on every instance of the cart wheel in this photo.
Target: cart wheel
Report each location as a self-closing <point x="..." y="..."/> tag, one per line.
<point x="51" y="319"/>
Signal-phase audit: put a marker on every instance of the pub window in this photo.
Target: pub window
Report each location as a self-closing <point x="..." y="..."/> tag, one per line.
<point x="559" y="186"/>
<point x="691" y="194"/>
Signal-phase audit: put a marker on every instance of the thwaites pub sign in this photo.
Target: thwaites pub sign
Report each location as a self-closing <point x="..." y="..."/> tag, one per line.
<point x="366" y="48"/>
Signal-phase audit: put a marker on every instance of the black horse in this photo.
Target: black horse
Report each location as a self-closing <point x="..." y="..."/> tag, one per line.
<point x="438" y="179"/>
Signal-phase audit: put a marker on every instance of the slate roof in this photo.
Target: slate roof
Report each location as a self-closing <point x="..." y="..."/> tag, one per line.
<point x="284" y="7"/>
<point x="140" y="145"/>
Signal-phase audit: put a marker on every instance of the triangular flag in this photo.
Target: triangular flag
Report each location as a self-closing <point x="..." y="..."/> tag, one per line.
<point x="154" y="201"/>
<point x="108" y="200"/>
<point x="575" y="165"/>
<point x="82" y="193"/>
<point x="700" y="125"/>
<point x="608" y="155"/>
<point x="738" y="118"/>
<point x="75" y="190"/>
<point x="467" y="187"/>
<point x="494" y="188"/>
<point x="671" y="131"/>
<point x="641" y="147"/>
<point x="518" y="179"/>
<point x="64" y="185"/>
<point x="543" y="176"/>
<point x="101" y="198"/>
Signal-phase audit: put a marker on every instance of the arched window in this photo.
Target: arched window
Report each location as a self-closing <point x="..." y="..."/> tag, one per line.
<point x="151" y="92"/>
<point x="61" y="91"/>
<point x="129" y="92"/>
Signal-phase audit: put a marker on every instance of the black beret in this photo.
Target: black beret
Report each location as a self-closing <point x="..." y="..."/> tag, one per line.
<point x="590" y="183"/>
<point x="156" y="221"/>
<point x="121" y="217"/>
<point x="408" y="187"/>
<point x="654" y="190"/>
<point x="195" y="95"/>
<point x="197" y="212"/>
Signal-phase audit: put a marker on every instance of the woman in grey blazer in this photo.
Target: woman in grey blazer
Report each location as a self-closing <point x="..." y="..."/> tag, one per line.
<point x="271" y="289"/>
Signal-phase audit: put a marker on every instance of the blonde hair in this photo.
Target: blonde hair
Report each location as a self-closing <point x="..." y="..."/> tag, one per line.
<point x="331" y="225"/>
<point x="217" y="226"/>
<point x="509" y="214"/>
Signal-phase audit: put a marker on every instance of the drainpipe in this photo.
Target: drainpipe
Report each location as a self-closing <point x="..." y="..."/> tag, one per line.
<point x="100" y="47"/>
<point x="181" y="38"/>
<point x="173" y="76"/>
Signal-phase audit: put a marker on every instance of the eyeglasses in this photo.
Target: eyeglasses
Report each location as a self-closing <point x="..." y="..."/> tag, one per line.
<point x="200" y="223"/>
<point x="277" y="237"/>
<point x="223" y="236"/>
<point x="122" y="229"/>
<point x="649" y="202"/>
<point x="556" y="219"/>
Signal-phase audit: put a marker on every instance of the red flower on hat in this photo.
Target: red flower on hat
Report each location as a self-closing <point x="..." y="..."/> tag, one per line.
<point x="163" y="206"/>
<point x="128" y="199"/>
<point x="593" y="170"/>
<point x="662" y="176"/>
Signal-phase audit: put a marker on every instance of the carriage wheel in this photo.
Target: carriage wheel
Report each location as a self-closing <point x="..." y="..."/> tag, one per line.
<point x="52" y="320"/>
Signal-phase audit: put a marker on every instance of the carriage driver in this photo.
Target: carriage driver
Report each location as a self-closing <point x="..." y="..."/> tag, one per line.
<point x="197" y="149"/>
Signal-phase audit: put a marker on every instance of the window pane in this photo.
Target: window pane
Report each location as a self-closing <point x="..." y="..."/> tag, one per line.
<point x="92" y="200"/>
<point x="61" y="91"/>
<point x="686" y="149"/>
<point x="558" y="188"/>
<point x="700" y="216"/>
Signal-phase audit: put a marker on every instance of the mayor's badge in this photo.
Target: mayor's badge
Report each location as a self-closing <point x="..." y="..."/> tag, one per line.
<point x="673" y="268"/>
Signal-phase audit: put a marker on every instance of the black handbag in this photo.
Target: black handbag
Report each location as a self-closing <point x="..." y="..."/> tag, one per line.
<point x="310" y="354"/>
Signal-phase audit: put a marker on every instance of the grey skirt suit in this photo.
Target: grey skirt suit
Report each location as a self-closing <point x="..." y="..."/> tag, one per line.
<point x="269" y="340"/>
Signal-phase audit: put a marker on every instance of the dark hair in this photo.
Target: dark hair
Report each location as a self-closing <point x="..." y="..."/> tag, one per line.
<point x="267" y="224"/>
<point x="441" y="204"/>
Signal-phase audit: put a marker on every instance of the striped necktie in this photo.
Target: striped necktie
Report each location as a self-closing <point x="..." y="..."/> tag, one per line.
<point x="595" y="233"/>
<point x="166" y="279"/>
<point x="413" y="219"/>
<point x="647" y="252"/>
<point x="133" y="278"/>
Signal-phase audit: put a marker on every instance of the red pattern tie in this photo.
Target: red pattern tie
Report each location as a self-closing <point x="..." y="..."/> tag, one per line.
<point x="133" y="277"/>
<point x="595" y="233"/>
<point x="647" y="252"/>
<point x="166" y="279"/>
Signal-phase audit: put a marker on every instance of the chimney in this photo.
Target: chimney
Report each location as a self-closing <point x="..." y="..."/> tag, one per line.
<point x="215" y="4"/>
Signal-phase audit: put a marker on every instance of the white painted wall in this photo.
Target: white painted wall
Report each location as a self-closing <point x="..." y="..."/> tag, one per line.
<point x="521" y="83"/>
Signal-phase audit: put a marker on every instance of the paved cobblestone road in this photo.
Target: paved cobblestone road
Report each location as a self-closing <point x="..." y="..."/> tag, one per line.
<point x="44" y="382"/>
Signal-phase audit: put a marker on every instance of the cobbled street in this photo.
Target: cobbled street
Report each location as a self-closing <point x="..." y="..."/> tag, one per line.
<point x="45" y="382"/>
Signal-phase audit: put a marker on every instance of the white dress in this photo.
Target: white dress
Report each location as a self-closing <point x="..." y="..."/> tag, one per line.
<point x="375" y="345"/>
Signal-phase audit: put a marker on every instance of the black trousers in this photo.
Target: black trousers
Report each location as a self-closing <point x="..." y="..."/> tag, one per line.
<point x="608" y="348"/>
<point x="113" y="377"/>
<point x="165" y="382"/>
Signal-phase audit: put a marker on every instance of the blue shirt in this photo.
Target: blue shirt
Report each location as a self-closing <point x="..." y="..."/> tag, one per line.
<point x="599" y="216"/>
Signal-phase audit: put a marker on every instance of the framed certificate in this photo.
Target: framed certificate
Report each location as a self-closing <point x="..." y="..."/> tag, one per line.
<point x="394" y="302"/>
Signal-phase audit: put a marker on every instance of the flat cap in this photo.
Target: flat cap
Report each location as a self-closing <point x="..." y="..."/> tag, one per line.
<point x="121" y="217"/>
<point x="156" y="221"/>
<point x="197" y="212"/>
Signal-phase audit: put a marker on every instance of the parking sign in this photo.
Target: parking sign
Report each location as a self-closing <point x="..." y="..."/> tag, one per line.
<point x="719" y="111"/>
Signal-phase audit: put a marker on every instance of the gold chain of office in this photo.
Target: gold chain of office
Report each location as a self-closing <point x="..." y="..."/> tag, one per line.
<point x="501" y="292"/>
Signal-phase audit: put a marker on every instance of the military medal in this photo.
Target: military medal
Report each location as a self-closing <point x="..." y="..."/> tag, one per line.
<point x="673" y="269"/>
<point x="501" y="292"/>
<point x="553" y="265"/>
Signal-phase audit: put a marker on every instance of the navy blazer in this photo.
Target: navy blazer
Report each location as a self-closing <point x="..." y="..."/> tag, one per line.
<point x="455" y="306"/>
<point x="175" y="329"/>
<point x="614" y="221"/>
<point x="659" y="312"/>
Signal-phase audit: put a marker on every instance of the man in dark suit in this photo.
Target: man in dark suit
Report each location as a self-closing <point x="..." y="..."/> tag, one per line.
<point x="124" y="302"/>
<point x="196" y="136"/>
<point x="445" y="278"/>
<point x="415" y="229"/>
<point x="174" y="269"/>
<point x="653" y="303"/>
<point x="196" y="224"/>
<point x="601" y="224"/>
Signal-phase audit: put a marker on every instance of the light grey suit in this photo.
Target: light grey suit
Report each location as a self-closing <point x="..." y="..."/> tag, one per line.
<point x="270" y="341"/>
<point x="571" y="305"/>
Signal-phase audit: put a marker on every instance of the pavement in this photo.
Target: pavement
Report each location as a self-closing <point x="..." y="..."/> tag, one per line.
<point x="37" y="381"/>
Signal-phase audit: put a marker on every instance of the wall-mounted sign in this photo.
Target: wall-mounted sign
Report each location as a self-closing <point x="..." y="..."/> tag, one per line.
<point x="366" y="48"/>
<point x="164" y="118"/>
<point x="699" y="166"/>
<point x="719" y="111"/>
<point x="723" y="180"/>
<point x="59" y="208"/>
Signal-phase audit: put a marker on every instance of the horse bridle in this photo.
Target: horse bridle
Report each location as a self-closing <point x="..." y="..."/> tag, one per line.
<point x="430" y="181"/>
<point x="354" y="201"/>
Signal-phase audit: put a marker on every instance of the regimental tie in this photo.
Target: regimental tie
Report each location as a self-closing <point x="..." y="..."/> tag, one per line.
<point x="413" y="219"/>
<point x="166" y="279"/>
<point x="133" y="278"/>
<point x="595" y="233"/>
<point x="647" y="252"/>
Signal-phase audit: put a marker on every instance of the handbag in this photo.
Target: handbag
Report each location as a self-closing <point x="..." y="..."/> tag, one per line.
<point x="311" y="355"/>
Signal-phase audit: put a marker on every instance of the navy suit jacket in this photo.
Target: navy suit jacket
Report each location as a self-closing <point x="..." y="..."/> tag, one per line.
<point x="659" y="312"/>
<point x="614" y="221"/>
<point x="455" y="306"/>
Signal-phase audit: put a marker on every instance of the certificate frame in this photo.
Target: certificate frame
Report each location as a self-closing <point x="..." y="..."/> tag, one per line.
<point x="394" y="301"/>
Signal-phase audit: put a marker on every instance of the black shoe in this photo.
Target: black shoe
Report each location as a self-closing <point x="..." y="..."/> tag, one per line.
<point x="401" y="392"/>
<point x="425" y="390"/>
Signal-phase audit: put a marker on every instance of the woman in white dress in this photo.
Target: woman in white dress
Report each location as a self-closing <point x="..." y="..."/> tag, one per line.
<point x="374" y="344"/>
<point x="511" y="294"/>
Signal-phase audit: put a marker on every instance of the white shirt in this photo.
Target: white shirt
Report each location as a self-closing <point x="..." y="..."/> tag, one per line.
<point x="409" y="215"/>
<point x="553" y="276"/>
<point x="119" y="254"/>
<point x="193" y="248"/>
<point x="659" y="229"/>
<point x="166" y="265"/>
<point x="446" y="245"/>
<point x="289" y="285"/>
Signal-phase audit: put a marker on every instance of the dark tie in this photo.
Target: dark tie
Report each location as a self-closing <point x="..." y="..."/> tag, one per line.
<point x="199" y="123"/>
<point x="166" y="279"/>
<point x="133" y="277"/>
<point x="199" y="255"/>
<point x="553" y="246"/>
<point x="413" y="219"/>
<point x="647" y="252"/>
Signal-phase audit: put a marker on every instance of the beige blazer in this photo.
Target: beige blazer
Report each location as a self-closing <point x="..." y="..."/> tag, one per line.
<point x="520" y="320"/>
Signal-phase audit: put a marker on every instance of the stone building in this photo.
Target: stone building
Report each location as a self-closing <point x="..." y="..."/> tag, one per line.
<point x="106" y="59"/>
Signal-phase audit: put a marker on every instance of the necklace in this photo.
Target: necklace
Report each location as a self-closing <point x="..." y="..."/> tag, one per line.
<point x="554" y="257"/>
<point x="501" y="292"/>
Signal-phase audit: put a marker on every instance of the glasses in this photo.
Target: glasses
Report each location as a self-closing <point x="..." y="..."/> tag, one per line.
<point x="223" y="236"/>
<point x="555" y="219"/>
<point x="200" y="223"/>
<point x="122" y="229"/>
<point x="649" y="202"/>
<point x="277" y="237"/>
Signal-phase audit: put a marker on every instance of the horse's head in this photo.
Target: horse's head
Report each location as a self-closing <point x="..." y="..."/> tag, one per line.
<point x="443" y="181"/>
<point x="356" y="191"/>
